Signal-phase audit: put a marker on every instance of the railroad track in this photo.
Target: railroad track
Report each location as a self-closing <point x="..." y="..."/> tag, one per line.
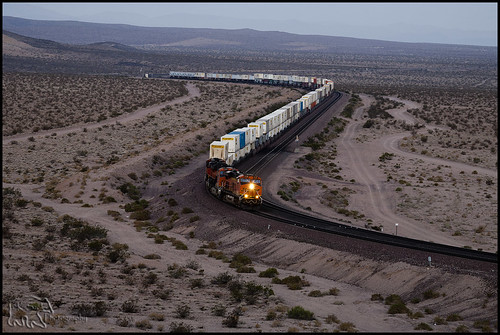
<point x="279" y="213"/>
<point x="289" y="136"/>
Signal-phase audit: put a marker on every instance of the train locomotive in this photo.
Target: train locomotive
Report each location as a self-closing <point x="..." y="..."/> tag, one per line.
<point x="229" y="184"/>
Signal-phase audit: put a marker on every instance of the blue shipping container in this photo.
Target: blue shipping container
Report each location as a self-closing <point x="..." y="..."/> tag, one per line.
<point x="242" y="137"/>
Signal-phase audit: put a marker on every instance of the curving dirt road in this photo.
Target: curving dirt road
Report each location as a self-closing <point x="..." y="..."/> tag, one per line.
<point x="193" y="92"/>
<point x="375" y="199"/>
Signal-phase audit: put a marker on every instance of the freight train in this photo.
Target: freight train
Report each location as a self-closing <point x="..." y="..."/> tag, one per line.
<point x="222" y="179"/>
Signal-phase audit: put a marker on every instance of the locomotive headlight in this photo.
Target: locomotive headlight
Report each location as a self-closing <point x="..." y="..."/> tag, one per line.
<point x="251" y="186"/>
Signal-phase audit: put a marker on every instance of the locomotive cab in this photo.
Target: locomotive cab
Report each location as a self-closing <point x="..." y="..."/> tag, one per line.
<point x="250" y="190"/>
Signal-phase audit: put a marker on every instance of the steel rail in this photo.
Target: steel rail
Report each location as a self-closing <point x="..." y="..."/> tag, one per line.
<point x="279" y="213"/>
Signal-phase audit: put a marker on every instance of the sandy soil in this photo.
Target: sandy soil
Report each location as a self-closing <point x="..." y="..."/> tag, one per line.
<point x="354" y="279"/>
<point x="373" y="195"/>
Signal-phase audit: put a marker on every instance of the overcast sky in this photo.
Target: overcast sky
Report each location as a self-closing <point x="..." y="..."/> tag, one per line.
<point x="452" y="23"/>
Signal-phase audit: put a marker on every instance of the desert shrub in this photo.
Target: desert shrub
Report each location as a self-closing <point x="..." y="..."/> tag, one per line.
<point x="97" y="244"/>
<point x="369" y="123"/>
<point x="454" y="317"/>
<point x="143" y="324"/>
<point x="398" y="307"/>
<point x="125" y="321"/>
<point x="130" y="306"/>
<point x="36" y="222"/>
<point x="194" y="218"/>
<point x="150" y="279"/>
<point x="298" y="312"/>
<point x="80" y="230"/>
<point x="159" y="239"/>
<point x="152" y="256"/>
<point x="137" y="205"/>
<point x="440" y="321"/>
<point x="180" y="327"/>
<point x="484" y="325"/>
<point x="233" y="319"/>
<point x="315" y="293"/>
<point x="196" y="283"/>
<point x="222" y="279"/>
<point x="331" y="318"/>
<point x="219" y="310"/>
<point x="245" y="269"/>
<point x="130" y="190"/>
<point x="98" y="308"/>
<point x="118" y="252"/>
<point x="141" y="215"/>
<point x="176" y="271"/>
<point x="423" y="326"/>
<point x="462" y="329"/>
<point x="271" y="315"/>
<point x="347" y="327"/>
<point x="292" y="282"/>
<point x="163" y="294"/>
<point x="218" y="255"/>
<point x="393" y="298"/>
<point x="186" y="210"/>
<point x="430" y="294"/>
<point x="182" y="311"/>
<point x="171" y="202"/>
<point x="157" y="316"/>
<point x="179" y="245"/>
<point x="269" y="273"/>
<point x="248" y="291"/>
<point x="333" y="291"/>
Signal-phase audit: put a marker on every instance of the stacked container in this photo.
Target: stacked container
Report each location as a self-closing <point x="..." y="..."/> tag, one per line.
<point x="233" y="141"/>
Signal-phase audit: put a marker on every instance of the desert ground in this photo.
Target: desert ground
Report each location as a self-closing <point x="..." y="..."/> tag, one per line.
<point x="75" y="258"/>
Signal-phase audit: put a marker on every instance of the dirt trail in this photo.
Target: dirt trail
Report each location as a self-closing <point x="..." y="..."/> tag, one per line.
<point x="376" y="201"/>
<point x="193" y="92"/>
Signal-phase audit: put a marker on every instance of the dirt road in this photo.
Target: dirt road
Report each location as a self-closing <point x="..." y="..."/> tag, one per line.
<point x="193" y="92"/>
<point x="376" y="200"/>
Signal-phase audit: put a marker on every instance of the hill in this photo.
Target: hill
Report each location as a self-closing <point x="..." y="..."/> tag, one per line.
<point x="169" y="38"/>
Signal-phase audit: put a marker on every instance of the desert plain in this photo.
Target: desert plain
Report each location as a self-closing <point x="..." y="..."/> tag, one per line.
<point x="107" y="227"/>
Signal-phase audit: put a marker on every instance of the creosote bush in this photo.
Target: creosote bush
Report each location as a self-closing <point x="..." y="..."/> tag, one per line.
<point x="298" y="312"/>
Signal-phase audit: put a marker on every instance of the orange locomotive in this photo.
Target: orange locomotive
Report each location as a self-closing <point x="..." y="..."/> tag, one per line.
<point x="229" y="184"/>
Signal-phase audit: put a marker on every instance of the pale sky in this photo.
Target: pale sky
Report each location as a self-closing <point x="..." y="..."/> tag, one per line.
<point x="451" y="23"/>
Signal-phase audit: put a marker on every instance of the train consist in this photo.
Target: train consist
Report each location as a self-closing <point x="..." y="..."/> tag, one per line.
<point x="222" y="179"/>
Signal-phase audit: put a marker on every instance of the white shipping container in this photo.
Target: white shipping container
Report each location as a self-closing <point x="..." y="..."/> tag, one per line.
<point x="182" y="74"/>
<point x="219" y="149"/>
<point x="258" y="126"/>
<point x="269" y="123"/>
<point x="230" y="159"/>
<point x="233" y="142"/>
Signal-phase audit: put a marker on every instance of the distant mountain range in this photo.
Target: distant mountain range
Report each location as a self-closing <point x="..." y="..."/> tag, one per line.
<point x="161" y="39"/>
